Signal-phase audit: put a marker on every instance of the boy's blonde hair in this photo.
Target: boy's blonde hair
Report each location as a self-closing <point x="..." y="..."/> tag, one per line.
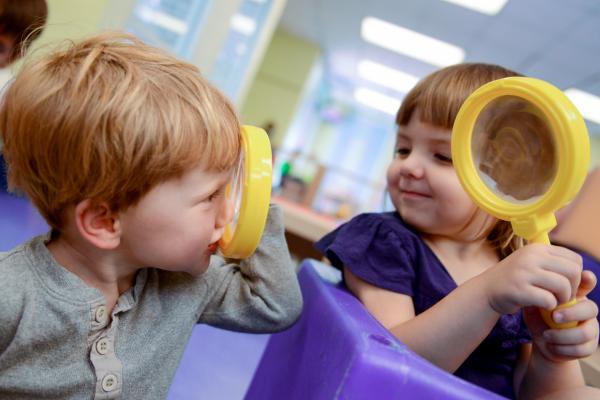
<point x="438" y="97"/>
<point x="107" y="119"/>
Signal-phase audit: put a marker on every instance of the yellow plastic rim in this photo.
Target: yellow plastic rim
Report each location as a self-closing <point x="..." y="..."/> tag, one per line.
<point x="241" y="241"/>
<point x="572" y="148"/>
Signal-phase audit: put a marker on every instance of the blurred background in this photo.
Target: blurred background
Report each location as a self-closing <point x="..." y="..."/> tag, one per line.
<point x="325" y="77"/>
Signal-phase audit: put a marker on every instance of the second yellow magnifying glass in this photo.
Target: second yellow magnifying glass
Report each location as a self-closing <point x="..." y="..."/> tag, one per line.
<point x="250" y="191"/>
<point x="521" y="151"/>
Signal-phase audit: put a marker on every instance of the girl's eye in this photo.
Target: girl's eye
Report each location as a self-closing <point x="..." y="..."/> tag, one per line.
<point x="444" y="158"/>
<point x="403" y="151"/>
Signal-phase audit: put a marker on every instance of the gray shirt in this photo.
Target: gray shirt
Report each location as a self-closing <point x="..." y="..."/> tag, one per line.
<point x="57" y="340"/>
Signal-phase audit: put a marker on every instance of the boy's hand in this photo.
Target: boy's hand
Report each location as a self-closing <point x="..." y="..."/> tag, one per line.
<point x="536" y="275"/>
<point x="567" y="344"/>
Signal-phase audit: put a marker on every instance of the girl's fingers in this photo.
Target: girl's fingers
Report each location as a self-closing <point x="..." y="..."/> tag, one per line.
<point x="565" y="253"/>
<point x="582" y="335"/>
<point x="555" y="283"/>
<point x="537" y="297"/>
<point x="588" y="283"/>
<point x="583" y="310"/>
<point x="572" y="351"/>
<point x="570" y="267"/>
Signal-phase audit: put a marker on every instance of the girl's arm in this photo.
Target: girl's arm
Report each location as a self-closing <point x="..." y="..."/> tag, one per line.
<point x="446" y="334"/>
<point x="553" y="367"/>
<point x="536" y="275"/>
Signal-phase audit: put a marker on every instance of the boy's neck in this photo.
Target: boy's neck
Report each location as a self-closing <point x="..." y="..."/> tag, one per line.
<point x="98" y="268"/>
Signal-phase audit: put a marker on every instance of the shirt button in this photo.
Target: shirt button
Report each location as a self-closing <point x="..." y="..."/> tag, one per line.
<point x="109" y="382"/>
<point x="101" y="315"/>
<point x="102" y="346"/>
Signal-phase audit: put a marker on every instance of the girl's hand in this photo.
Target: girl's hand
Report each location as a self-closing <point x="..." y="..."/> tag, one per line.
<point x="567" y="344"/>
<point x="536" y="275"/>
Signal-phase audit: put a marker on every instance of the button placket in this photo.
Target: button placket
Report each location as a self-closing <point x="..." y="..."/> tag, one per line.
<point x="101" y="315"/>
<point x="109" y="382"/>
<point x="107" y="366"/>
<point x="102" y="346"/>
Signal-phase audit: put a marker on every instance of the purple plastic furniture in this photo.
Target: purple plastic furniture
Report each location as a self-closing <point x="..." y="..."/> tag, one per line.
<point x="19" y="221"/>
<point x="337" y="350"/>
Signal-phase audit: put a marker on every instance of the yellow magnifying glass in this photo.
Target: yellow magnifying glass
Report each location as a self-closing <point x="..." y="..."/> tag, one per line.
<point x="250" y="192"/>
<point x="521" y="151"/>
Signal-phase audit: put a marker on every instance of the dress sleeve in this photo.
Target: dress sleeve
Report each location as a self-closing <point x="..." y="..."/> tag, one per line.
<point x="375" y="249"/>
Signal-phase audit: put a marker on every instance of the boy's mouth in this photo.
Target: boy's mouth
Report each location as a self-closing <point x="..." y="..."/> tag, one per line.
<point x="212" y="248"/>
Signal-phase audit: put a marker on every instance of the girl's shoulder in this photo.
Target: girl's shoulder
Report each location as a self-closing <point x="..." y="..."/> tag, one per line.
<point x="377" y="247"/>
<point x="378" y="226"/>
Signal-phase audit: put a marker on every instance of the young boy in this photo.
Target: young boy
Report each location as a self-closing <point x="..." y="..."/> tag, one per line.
<point x="126" y="152"/>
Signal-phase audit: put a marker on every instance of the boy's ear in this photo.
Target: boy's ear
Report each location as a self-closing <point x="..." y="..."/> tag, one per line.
<point x="98" y="224"/>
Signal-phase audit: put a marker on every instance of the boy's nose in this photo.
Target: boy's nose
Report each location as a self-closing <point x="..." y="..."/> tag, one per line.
<point x="224" y="217"/>
<point x="227" y="211"/>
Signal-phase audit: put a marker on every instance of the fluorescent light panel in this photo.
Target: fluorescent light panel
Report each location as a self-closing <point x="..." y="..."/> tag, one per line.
<point x="376" y="100"/>
<point x="489" y="7"/>
<point x="163" y="20"/>
<point x="243" y="24"/>
<point x="386" y="76"/>
<point x="410" y="43"/>
<point x="588" y="104"/>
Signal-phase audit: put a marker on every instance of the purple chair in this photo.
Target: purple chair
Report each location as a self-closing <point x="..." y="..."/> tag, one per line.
<point x="337" y="350"/>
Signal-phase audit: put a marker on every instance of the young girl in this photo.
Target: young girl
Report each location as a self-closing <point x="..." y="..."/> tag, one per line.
<point x="449" y="280"/>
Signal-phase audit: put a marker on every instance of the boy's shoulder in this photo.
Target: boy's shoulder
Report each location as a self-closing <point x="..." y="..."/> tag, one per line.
<point x="15" y="268"/>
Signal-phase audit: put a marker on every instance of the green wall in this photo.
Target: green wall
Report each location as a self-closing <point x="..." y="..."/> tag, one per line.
<point x="275" y="94"/>
<point x="595" y="151"/>
<point x="72" y="19"/>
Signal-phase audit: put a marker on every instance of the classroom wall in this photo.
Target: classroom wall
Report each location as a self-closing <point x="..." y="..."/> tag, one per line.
<point x="72" y="19"/>
<point x="275" y="94"/>
<point x="595" y="151"/>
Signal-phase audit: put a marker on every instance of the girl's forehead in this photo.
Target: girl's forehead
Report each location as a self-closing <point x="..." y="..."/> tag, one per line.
<point x="423" y="131"/>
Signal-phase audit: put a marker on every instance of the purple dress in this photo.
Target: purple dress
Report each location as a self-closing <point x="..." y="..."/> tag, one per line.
<point x="385" y="252"/>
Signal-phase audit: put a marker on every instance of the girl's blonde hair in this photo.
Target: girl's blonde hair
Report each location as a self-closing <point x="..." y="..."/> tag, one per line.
<point x="438" y="97"/>
<point x="107" y="119"/>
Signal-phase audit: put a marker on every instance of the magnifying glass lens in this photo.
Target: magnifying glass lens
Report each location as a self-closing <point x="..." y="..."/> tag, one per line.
<point x="235" y="192"/>
<point x="514" y="150"/>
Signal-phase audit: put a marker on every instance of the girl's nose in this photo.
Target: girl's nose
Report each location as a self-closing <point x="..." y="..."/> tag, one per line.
<point x="412" y="166"/>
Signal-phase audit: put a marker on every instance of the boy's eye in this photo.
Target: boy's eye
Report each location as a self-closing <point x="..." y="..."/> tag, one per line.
<point x="214" y="195"/>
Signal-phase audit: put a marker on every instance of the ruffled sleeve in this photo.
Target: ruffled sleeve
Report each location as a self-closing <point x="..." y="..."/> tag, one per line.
<point x="377" y="248"/>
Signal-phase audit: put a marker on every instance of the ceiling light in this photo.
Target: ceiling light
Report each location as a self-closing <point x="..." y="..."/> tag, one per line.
<point x="243" y="24"/>
<point x="489" y="7"/>
<point x="376" y="100"/>
<point x="410" y="43"/>
<point x="163" y="20"/>
<point x="386" y="76"/>
<point x="588" y="104"/>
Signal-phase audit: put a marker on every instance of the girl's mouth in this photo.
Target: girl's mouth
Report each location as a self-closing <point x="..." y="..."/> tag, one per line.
<point x="410" y="194"/>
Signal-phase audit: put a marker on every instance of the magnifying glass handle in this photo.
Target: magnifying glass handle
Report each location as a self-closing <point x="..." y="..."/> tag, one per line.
<point x="547" y="314"/>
